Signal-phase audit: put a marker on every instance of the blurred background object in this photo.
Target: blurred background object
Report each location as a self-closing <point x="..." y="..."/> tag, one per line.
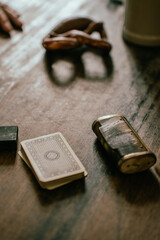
<point x="9" y="18"/>
<point x="141" y="25"/>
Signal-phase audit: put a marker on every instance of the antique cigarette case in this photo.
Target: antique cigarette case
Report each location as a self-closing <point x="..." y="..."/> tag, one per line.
<point x="123" y="143"/>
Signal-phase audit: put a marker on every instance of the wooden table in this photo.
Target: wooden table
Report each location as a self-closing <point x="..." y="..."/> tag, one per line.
<point x="66" y="92"/>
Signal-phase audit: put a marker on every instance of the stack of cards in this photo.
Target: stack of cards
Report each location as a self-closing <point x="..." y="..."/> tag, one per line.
<point x="52" y="160"/>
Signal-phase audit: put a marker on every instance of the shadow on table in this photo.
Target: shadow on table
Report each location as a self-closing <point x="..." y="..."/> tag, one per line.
<point x="139" y="189"/>
<point x="114" y="4"/>
<point x="47" y="197"/>
<point x="63" y="66"/>
<point x="145" y="60"/>
<point x="7" y="157"/>
<point x="5" y="35"/>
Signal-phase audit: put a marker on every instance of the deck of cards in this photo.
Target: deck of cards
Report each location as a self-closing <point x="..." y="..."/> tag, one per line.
<point x="51" y="160"/>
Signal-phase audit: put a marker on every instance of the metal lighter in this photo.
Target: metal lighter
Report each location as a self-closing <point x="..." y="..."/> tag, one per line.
<point x="122" y="142"/>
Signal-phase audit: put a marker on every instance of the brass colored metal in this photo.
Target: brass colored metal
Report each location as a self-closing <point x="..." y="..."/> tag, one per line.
<point x="123" y="143"/>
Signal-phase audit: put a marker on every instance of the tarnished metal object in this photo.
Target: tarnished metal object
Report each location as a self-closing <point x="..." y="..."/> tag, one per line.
<point x="123" y="143"/>
<point x="72" y="33"/>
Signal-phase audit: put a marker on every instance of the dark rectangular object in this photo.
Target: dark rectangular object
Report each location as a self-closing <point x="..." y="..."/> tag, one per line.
<point x="8" y="137"/>
<point x="123" y="143"/>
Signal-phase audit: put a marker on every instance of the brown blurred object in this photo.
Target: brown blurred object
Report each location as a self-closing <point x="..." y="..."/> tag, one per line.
<point x="74" y="32"/>
<point x="9" y="18"/>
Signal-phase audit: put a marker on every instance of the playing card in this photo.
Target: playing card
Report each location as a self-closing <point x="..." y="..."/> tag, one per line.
<point x="50" y="185"/>
<point x="52" y="160"/>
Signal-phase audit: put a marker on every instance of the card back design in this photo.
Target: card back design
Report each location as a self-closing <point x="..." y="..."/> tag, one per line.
<point x="52" y="156"/>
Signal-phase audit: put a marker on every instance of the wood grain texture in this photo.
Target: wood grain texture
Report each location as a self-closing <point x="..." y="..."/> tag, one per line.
<point x="66" y="91"/>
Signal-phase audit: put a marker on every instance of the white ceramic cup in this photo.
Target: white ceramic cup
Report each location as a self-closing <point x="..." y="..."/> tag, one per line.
<point x="142" y="22"/>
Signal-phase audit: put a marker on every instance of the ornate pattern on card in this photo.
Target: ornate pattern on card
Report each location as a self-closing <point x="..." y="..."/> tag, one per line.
<point x="52" y="156"/>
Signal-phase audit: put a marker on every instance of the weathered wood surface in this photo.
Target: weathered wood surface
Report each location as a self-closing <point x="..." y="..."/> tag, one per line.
<point x="66" y="92"/>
